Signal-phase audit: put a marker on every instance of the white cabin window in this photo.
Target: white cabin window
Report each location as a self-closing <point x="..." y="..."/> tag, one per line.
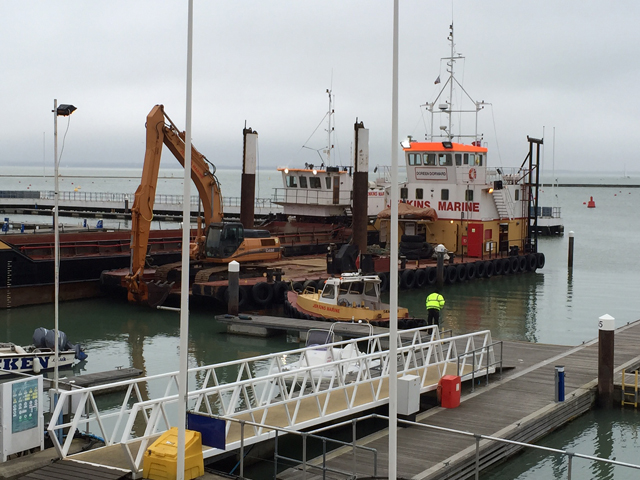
<point x="458" y="159"/>
<point x="415" y="159"/>
<point x="329" y="291"/>
<point x="419" y="194"/>
<point x="444" y="159"/>
<point x="292" y="182"/>
<point x="444" y="194"/>
<point x="356" y="288"/>
<point x="327" y="182"/>
<point x="314" y="182"/>
<point x="468" y="195"/>
<point x="429" y="158"/>
<point x="466" y="159"/>
<point x="404" y="193"/>
<point x="303" y="181"/>
<point x="517" y="195"/>
<point x="478" y="159"/>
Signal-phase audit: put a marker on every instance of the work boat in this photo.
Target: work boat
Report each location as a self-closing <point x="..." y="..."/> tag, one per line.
<point x="349" y="297"/>
<point x="324" y="191"/>
<point x="40" y="356"/>
<point x="481" y="211"/>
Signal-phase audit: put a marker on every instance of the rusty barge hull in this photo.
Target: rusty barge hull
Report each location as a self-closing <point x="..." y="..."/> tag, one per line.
<point x="257" y="292"/>
<point x="27" y="268"/>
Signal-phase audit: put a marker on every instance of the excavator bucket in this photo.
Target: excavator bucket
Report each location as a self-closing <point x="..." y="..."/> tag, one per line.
<point x="157" y="293"/>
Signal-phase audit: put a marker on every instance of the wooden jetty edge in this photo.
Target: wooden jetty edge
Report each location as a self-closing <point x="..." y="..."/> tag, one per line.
<point x="519" y="406"/>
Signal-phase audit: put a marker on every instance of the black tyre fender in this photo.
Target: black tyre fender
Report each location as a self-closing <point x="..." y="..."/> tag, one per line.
<point x="522" y="263"/>
<point x="432" y="275"/>
<point x="320" y="284"/>
<point x="540" y="258"/>
<point x="297" y="287"/>
<point x="506" y="266"/>
<point x="514" y="265"/>
<point x="309" y="283"/>
<point x="489" y="268"/>
<point x="421" y="278"/>
<point x="279" y="291"/>
<point x="471" y="271"/>
<point x="498" y="266"/>
<point x="407" y="279"/>
<point x="384" y="281"/>
<point x="451" y="274"/>
<point x="262" y="294"/>
<point x="461" y="270"/>
<point x="480" y="269"/>
<point x="532" y="262"/>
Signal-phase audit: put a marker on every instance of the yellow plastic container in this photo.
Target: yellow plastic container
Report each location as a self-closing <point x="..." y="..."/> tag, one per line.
<point x="160" y="461"/>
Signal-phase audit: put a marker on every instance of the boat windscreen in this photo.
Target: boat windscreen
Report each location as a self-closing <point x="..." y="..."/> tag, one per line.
<point x="329" y="291"/>
<point x="356" y="287"/>
<point x="319" y="337"/>
<point x="370" y="289"/>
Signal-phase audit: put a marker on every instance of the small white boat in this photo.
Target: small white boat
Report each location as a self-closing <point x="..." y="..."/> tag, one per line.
<point x="16" y="359"/>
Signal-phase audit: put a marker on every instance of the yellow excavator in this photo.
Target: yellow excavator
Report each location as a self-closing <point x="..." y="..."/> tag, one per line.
<point x="219" y="243"/>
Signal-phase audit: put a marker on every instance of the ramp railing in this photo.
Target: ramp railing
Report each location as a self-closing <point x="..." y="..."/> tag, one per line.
<point x="295" y="390"/>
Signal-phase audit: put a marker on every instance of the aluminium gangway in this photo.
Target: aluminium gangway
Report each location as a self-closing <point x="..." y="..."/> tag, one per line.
<point x="264" y="391"/>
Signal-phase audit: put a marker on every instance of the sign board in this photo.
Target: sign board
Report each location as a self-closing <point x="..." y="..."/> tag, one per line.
<point x="21" y="415"/>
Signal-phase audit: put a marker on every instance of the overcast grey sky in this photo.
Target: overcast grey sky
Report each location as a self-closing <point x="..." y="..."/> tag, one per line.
<point x="572" y="65"/>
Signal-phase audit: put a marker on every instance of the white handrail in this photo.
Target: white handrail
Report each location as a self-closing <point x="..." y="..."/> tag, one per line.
<point x="255" y="387"/>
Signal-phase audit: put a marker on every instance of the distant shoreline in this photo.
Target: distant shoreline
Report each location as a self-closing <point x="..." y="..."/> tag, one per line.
<point x="607" y="185"/>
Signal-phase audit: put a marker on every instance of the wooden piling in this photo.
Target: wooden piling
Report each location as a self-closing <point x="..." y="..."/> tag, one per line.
<point x="606" y="327"/>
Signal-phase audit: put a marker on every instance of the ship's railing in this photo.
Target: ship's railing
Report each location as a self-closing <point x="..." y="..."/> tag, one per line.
<point x="305" y="196"/>
<point x="508" y="176"/>
<point x="547" y="212"/>
<point x="121" y="198"/>
<point x="262" y="389"/>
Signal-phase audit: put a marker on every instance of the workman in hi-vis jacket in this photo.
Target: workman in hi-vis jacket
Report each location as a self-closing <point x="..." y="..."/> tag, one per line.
<point x="435" y="302"/>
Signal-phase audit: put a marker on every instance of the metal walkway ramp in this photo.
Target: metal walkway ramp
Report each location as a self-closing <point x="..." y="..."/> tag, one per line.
<point x="293" y="390"/>
<point x="71" y="470"/>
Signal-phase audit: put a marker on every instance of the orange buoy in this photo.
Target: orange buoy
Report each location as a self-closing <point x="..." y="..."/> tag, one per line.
<point x="591" y="203"/>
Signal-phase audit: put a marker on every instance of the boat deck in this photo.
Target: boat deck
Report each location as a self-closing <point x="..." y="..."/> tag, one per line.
<point x="520" y="406"/>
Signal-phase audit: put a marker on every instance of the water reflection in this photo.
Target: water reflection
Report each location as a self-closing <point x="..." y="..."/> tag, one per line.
<point x="507" y="305"/>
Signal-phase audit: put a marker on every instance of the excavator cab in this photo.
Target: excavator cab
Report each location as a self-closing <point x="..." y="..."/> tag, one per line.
<point x="227" y="241"/>
<point x="223" y="239"/>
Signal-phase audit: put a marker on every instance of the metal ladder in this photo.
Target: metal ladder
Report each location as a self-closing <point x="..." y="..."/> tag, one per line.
<point x="633" y="394"/>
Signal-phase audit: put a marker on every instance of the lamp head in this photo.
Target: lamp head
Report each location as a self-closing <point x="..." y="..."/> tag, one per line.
<point x="65" y="110"/>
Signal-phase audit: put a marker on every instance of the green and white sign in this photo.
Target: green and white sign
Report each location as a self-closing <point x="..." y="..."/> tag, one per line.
<point x="24" y="406"/>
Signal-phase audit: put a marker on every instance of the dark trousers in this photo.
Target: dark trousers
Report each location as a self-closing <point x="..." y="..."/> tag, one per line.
<point x="433" y="316"/>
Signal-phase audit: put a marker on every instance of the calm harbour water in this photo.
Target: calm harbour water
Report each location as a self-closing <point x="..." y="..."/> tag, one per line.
<point x="550" y="306"/>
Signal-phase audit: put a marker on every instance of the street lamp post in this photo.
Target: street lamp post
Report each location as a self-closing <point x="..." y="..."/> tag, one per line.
<point x="64" y="111"/>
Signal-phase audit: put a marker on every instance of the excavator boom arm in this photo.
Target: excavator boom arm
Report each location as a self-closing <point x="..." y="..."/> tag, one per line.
<point x="161" y="130"/>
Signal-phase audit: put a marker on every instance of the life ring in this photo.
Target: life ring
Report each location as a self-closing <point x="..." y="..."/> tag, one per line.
<point x="472" y="174"/>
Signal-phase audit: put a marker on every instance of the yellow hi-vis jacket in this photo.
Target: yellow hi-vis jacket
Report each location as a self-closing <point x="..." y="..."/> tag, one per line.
<point x="435" y="301"/>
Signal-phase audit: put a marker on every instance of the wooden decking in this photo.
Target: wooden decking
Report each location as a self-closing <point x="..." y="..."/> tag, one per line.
<point x="519" y="406"/>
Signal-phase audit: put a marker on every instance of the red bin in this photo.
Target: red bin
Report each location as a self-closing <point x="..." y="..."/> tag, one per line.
<point x="450" y="391"/>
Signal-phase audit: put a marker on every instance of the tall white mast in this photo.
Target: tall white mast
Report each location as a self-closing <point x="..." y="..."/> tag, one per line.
<point x="450" y="64"/>
<point x="330" y="127"/>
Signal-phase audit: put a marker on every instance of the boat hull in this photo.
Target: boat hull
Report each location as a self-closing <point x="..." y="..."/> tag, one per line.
<point x="300" y="306"/>
<point x="11" y="364"/>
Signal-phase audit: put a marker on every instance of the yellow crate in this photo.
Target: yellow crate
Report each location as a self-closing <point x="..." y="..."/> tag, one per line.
<point x="160" y="461"/>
